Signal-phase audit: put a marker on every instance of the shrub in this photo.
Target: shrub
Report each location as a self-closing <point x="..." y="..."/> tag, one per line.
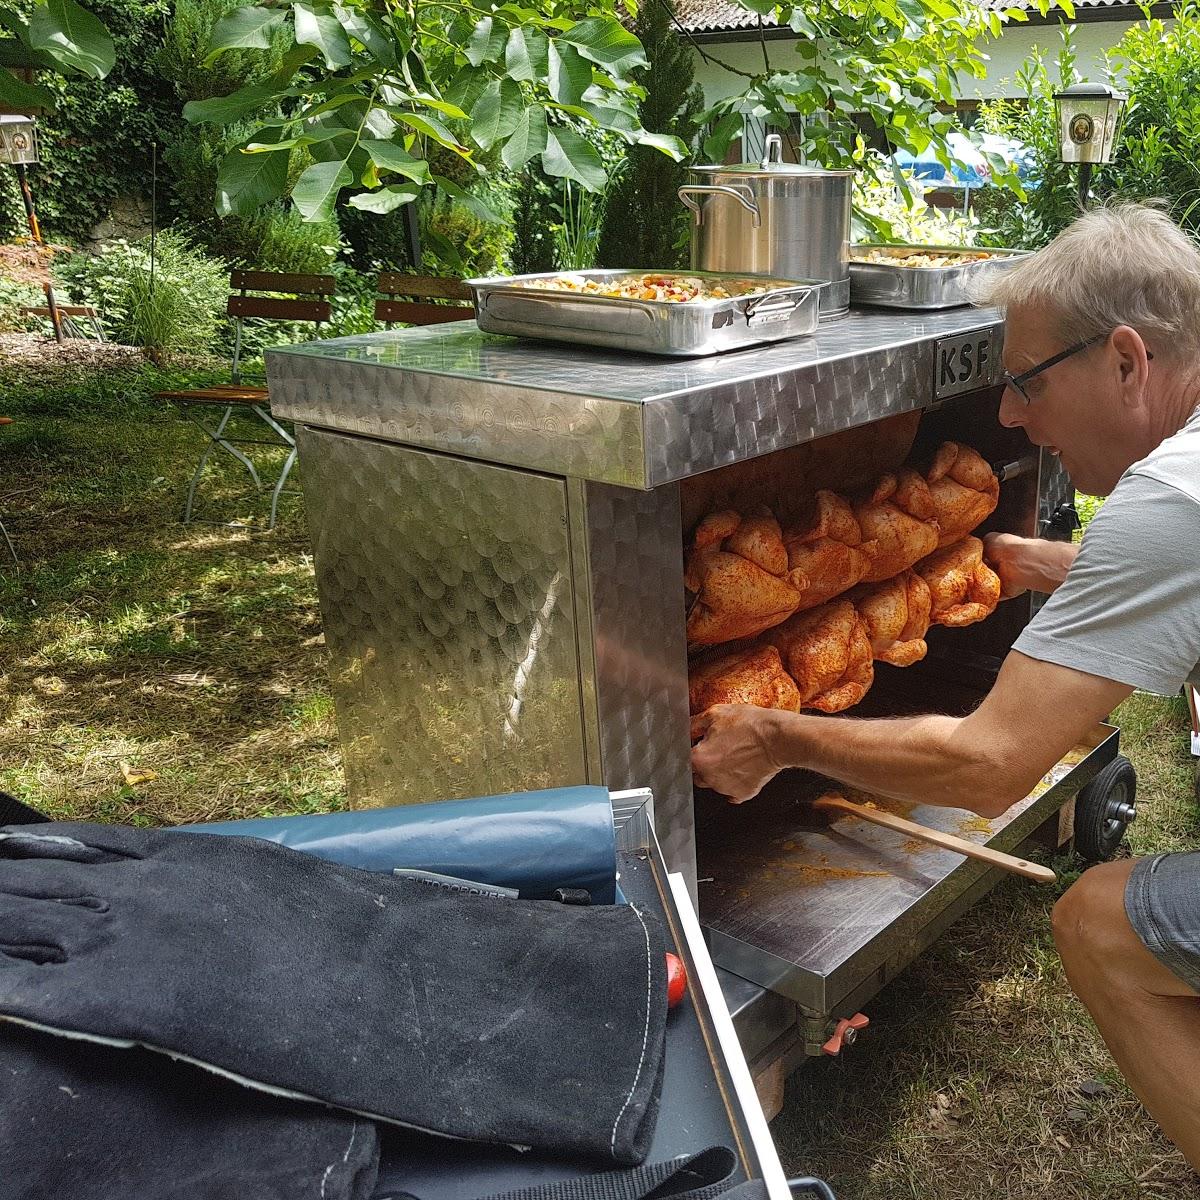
<point x="1158" y="155"/>
<point x="644" y="224"/>
<point x="96" y="144"/>
<point x="883" y="214"/>
<point x="174" y="304"/>
<point x="532" y="248"/>
<point x="577" y="230"/>
<point x="457" y="241"/>
<point x="13" y="297"/>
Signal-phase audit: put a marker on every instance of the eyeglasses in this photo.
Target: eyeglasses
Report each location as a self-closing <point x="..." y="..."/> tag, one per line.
<point x="1018" y="382"/>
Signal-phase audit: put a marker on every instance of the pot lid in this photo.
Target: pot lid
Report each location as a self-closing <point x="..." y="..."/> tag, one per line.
<point x="772" y="165"/>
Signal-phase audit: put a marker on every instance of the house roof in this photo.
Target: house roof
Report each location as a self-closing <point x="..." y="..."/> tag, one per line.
<point x="727" y="16"/>
<point x="709" y="16"/>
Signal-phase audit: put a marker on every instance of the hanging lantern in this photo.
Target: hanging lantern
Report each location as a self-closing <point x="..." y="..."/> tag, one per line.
<point x="18" y="140"/>
<point x="1089" y="116"/>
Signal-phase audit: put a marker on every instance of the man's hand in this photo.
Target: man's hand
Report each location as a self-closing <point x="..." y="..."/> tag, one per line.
<point x="733" y="755"/>
<point x="1027" y="563"/>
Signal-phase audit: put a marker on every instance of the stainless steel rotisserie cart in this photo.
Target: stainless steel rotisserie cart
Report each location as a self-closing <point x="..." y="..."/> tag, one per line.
<point x="498" y="530"/>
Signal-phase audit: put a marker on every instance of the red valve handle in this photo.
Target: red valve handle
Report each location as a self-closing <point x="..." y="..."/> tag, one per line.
<point x="844" y="1033"/>
<point x="676" y="979"/>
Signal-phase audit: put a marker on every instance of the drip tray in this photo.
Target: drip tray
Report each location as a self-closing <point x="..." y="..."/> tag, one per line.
<point x="826" y="913"/>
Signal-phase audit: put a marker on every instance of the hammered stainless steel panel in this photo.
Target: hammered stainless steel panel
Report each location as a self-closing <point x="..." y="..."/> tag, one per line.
<point x="635" y="566"/>
<point x="447" y="601"/>
<point x="756" y="310"/>
<point x="628" y="419"/>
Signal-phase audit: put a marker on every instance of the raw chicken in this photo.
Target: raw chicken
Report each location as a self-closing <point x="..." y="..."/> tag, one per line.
<point x="754" y="676"/>
<point x="828" y="653"/>
<point x="738" y="569"/>
<point x="829" y="549"/>
<point x="896" y="613"/>
<point x="964" y="488"/>
<point x="899" y="517"/>
<point x="963" y="587"/>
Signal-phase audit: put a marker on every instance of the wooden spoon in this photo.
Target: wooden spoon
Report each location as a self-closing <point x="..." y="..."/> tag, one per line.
<point x="833" y="803"/>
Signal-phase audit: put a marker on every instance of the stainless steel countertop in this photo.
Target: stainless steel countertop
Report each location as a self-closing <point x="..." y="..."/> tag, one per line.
<point x="629" y="419"/>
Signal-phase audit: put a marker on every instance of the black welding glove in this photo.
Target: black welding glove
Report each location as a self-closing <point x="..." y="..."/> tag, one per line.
<point x="78" y="1119"/>
<point x="521" y="1022"/>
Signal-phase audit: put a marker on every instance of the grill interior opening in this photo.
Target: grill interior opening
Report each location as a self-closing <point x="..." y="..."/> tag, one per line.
<point x="779" y="884"/>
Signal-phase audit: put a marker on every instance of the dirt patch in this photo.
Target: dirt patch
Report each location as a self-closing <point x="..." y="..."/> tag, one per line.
<point x="24" y="262"/>
<point x="35" y="351"/>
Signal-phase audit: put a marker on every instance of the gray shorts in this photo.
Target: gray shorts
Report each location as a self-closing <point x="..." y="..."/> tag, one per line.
<point x="1162" y="902"/>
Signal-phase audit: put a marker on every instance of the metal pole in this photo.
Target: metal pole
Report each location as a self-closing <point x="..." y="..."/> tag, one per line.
<point x="36" y="233"/>
<point x="1085" y="185"/>
<point x="412" y="229"/>
<point x="154" y="212"/>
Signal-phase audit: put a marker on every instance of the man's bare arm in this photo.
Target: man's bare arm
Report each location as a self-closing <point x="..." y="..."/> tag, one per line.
<point x="1027" y="564"/>
<point x="985" y="762"/>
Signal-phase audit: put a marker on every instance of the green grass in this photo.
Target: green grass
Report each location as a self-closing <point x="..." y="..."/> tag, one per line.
<point x="967" y="1083"/>
<point x="197" y="654"/>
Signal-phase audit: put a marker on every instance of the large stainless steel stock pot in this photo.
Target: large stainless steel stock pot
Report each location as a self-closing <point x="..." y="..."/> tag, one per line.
<point x="774" y="218"/>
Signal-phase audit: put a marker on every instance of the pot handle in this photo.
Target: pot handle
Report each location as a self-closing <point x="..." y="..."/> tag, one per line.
<point x="742" y="195"/>
<point x="772" y="150"/>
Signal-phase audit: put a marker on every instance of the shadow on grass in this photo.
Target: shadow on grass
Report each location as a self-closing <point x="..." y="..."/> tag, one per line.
<point x="126" y="637"/>
<point x="967" y="1084"/>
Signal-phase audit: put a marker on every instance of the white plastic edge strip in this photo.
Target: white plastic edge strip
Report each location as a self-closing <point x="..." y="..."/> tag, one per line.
<point x="735" y="1060"/>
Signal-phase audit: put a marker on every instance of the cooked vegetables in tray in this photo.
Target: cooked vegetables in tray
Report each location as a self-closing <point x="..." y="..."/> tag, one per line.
<point x="675" y="289"/>
<point x="917" y="258"/>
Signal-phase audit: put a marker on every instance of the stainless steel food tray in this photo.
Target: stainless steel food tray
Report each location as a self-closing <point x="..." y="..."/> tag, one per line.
<point x="921" y="287"/>
<point x="788" y="309"/>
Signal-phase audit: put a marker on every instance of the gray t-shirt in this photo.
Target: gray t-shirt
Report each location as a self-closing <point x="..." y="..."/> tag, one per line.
<point x="1129" y="609"/>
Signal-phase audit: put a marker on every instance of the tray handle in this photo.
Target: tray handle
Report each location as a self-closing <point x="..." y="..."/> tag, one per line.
<point x="739" y="192"/>
<point x="770" y="309"/>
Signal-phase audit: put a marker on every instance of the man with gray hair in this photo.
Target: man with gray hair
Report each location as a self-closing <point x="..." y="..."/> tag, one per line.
<point x="1102" y="350"/>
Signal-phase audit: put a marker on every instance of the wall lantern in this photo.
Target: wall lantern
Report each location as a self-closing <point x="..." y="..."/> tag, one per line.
<point x="18" y="140"/>
<point x="1089" y="118"/>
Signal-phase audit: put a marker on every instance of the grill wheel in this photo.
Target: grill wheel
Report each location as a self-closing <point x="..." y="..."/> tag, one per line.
<point x="1103" y="810"/>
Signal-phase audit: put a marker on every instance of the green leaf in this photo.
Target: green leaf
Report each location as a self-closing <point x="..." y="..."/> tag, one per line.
<point x="496" y="112"/>
<point x="246" y="182"/>
<point x="724" y="131"/>
<point x="316" y="27"/>
<point x="223" y="110"/>
<point x="387" y="156"/>
<point x="570" y="156"/>
<point x="465" y="198"/>
<point x="430" y="127"/>
<point x="248" y="28"/>
<point x="466" y="87"/>
<point x="527" y="55"/>
<point x="486" y="43"/>
<point x="16" y="23"/>
<point x="570" y="73"/>
<point x="73" y="37"/>
<point x="668" y="143"/>
<point x="529" y="138"/>
<point x="317" y="189"/>
<point x="14" y="93"/>
<point x="365" y="30"/>
<point x="384" y="201"/>
<point x="607" y="42"/>
<point x="446" y="108"/>
<point x="315" y="133"/>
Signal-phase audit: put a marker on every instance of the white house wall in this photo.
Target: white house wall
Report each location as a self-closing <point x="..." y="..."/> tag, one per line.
<point x="1006" y="54"/>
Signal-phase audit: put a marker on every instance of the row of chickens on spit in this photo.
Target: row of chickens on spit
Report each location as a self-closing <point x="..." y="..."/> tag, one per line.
<point x="858" y="580"/>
